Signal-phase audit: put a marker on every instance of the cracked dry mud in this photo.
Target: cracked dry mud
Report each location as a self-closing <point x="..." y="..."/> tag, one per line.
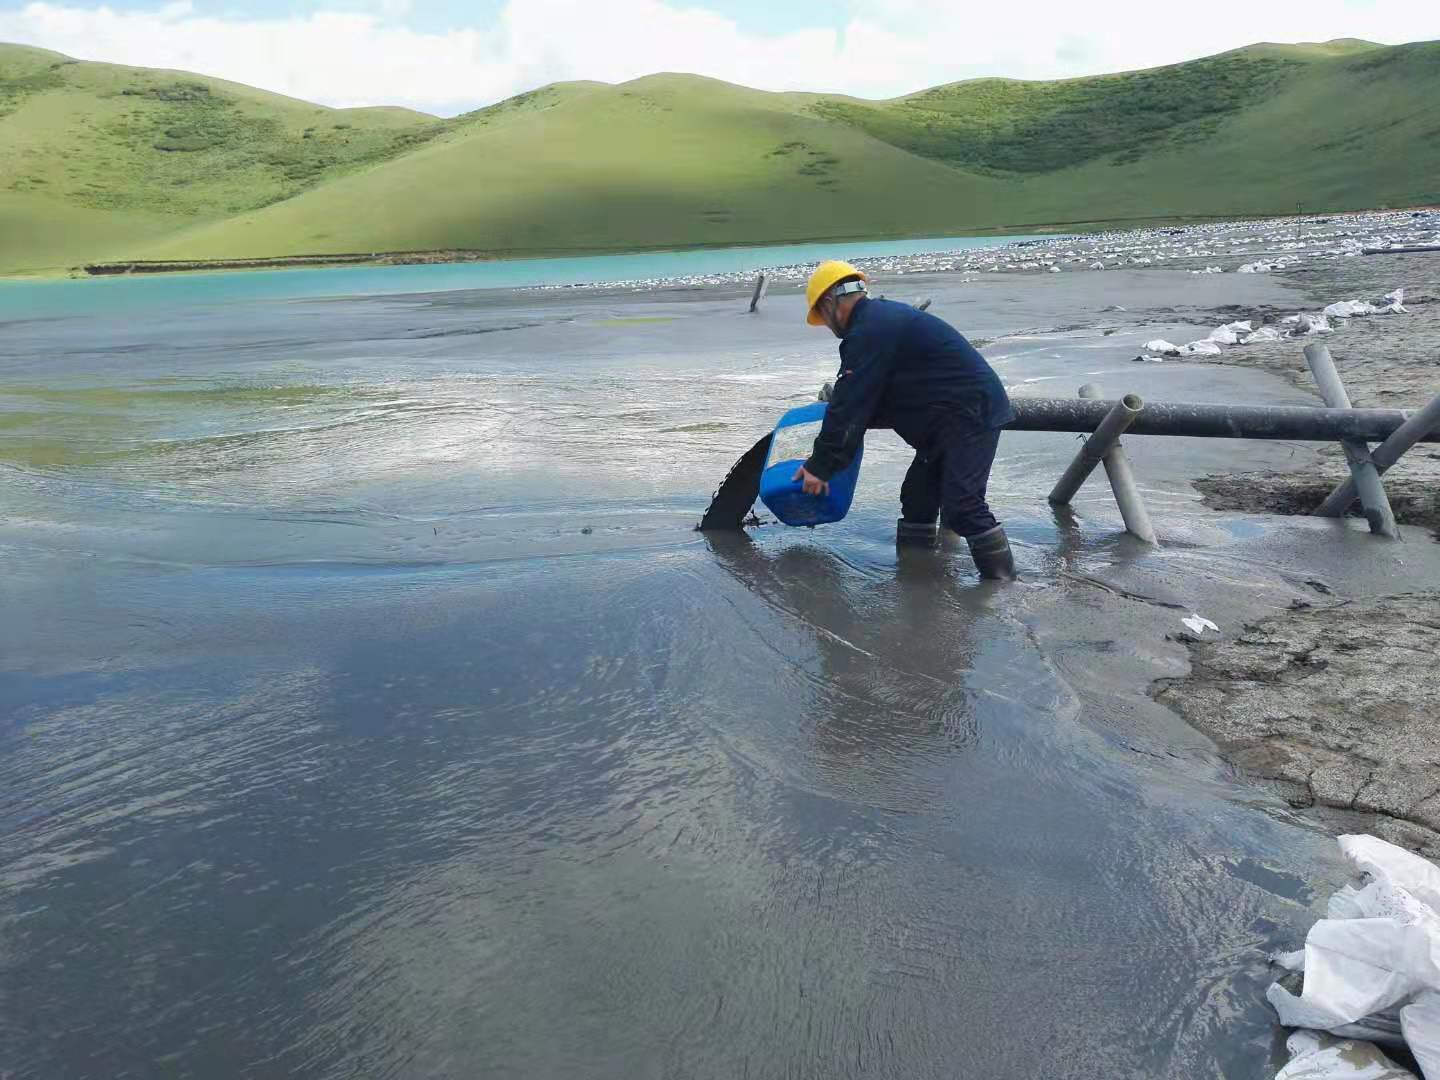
<point x="1333" y="706"/>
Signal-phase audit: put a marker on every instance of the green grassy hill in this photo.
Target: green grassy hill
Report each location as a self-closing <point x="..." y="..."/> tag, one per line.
<point x="100" y="162"/>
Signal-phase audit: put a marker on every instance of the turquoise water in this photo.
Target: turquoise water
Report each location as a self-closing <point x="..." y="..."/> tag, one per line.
<point x="23" y="299"/>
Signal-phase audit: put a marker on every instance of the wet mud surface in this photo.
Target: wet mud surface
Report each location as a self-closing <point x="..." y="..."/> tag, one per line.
<point x="369" y="705"/>
<point x="1413" y="488"/>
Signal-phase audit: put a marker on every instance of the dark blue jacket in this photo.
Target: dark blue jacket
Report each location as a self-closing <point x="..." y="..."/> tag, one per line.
<point x="905" y="369"/>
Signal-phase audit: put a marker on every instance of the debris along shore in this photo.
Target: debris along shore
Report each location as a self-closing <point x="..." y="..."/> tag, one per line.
<point x="1367" y="976"/>
<point x="1249" y="247"/>
<point x="1384" y="362"/>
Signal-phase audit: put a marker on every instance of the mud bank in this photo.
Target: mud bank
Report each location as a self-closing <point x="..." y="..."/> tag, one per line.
<point x="1331" y="705"/>
<point x="283" y="262"/>
<point x="1412" y="488"/>
<point x="1389" y="362"/>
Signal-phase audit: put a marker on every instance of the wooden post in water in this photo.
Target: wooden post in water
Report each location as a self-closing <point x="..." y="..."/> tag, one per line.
<point x="1357" y="452"/>
<point x="761" y="284"/>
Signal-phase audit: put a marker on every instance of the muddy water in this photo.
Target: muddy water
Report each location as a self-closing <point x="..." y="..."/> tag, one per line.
<point x="367" y="707"/>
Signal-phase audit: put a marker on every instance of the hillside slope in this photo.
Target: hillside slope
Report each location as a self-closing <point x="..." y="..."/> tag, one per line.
<point x="96" y="157"/>
<point x="105" y="162"/>
<point x="664" y="160"/>
<point x="1347" y="133"/>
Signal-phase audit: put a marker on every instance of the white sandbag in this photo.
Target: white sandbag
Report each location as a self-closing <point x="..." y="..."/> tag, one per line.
<point x="1265" y="333"/>
<point x="1290" y="961"/>
<point x="1297" y="1013"/>
<point x="1317" y="1056"/>
<point x="1374" y="963"/>
<point x="1345" y="904"/>
<point x="1420" y="1024"/>
<point x="1354" y="967"/>
<point x="1383" y="1029"/>
<point x="1201" y="348"/>
<point x="1384" y="898"/>
<point x="1303" y="324"/>
<point x="1162" y="347"/>
<point x="1263" y="267"/>
<point x="1230" y="333"/>
<point x="1384" y="861"/>
<point x="1349" y="309"/>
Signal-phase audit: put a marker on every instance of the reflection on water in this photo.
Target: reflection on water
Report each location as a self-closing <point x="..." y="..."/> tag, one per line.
<point x="368" y="707"/>
<point x="874" y="716"/>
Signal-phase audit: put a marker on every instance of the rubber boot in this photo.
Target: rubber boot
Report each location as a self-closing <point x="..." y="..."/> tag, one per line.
<point x="917" y="534"/>
<point x="992" y="555"/>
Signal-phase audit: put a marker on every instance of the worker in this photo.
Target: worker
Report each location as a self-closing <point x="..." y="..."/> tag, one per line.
<point x="907" y="370"/>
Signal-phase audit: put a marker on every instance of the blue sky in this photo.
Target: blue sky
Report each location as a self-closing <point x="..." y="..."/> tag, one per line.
<point x="445" y="56"/>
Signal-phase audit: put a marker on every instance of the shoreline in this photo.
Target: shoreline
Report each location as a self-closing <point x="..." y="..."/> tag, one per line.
<point x="462" y="256"/>
<point x="459" y="256"/>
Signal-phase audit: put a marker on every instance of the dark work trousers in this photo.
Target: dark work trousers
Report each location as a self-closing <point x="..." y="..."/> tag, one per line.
<point x="952" y="478"/>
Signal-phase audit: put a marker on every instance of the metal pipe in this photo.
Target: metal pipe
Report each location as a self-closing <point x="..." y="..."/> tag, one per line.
<point x="1420" y="424"/>
<point x="1362" y="470"/>
<point x="1127" y="496"/>
<point x="1121" y="415"/>
<point x="1122" y="479"/>
<point x="761" y="283"/>
<point x="1297" y="423"/>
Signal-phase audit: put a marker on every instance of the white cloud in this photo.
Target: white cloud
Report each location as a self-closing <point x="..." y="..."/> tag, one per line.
<point x="369" y="57"/>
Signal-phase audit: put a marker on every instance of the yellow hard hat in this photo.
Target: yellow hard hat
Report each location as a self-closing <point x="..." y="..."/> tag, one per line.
<point x="826" y="275"/>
